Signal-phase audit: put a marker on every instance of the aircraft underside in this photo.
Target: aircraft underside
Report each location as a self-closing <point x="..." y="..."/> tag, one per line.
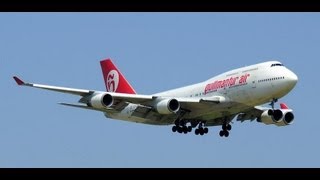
<point x="183" y="122"/>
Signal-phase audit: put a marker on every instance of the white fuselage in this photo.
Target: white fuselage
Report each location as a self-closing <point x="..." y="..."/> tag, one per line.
<point x="247" y="86"/>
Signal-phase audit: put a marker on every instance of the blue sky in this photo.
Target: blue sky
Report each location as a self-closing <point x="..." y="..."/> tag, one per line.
<point x="156" y="52"/>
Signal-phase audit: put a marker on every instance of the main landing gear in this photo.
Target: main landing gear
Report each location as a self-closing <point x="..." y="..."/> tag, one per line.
<point x="181" y="127"/>
<point x="225" y="130"/>
<point x="200" y="130"/>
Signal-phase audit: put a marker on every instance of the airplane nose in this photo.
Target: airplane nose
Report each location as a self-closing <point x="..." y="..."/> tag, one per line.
<point x="292" y="78"/>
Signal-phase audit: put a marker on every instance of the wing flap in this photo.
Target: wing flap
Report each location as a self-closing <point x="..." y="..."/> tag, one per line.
<point x="201" y="103"/>
<point x="251" y="114"/>
<point x="156" y="118"/>
<point x="142" y="111"/>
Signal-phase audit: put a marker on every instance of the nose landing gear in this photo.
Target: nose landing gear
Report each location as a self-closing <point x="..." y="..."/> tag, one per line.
<point x="274" y="100"/>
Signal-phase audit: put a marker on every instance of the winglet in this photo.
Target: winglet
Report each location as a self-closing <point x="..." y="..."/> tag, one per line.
<point x="18" y="81"/>
<point x="283" y="106"/>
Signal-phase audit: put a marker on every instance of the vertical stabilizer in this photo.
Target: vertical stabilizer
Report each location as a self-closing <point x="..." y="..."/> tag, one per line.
<point x="113" y="78"/>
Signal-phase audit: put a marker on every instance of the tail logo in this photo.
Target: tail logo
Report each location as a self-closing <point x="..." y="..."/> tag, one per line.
<point x="112" y="81"/>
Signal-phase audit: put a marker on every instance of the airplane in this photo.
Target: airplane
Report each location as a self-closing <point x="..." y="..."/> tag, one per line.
<point x="214" y="102"/>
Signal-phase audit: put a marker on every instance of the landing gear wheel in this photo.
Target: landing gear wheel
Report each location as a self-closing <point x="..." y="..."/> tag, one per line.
<point x="179" y="129"/>
<point x="197" y="132"/>
<point x="221" y="133"/>
<point x="229" y="127"/>
<point x="205" y="130"/>
<point x="189" y="128"/>
<point x="185" y="129"/>
<point x="174" y="128"/>
<point x="226" y="133"/>
<point x="201" y="131"/>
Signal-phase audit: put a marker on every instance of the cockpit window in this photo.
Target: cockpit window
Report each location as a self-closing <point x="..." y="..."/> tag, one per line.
<point x="278" y="64"/>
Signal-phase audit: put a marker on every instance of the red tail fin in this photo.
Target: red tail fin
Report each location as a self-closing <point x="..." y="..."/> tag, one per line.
<point x="283" y="106"/>
<point x="113" y="78"/>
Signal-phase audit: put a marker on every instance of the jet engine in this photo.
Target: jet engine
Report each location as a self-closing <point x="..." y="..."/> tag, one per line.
<point x="279" y="117"/>
<point x="168" y="106"/>
<point x="102" y="100"/>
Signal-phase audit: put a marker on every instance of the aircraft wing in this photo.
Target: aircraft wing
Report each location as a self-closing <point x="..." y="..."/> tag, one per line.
<point x="119" y="97"/>
<point x="146" y="103"/>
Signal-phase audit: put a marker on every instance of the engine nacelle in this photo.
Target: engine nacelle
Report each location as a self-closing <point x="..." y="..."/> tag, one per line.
<point x="101" y="100"/>
<point x="287" y="118"/>
<point x="279" y="117"/>
<point x="168" y="106"/>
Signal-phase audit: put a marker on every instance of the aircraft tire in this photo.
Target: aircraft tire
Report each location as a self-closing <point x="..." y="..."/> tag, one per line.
<point x="206" y="130"/>
<point x="226" y="133"/>
<point x="197" y="131"/>
<point x="174" y="128"/>
<point x="229" y="127"/>
<point x="179" y="129"/>
<point x="221" y="133"/>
